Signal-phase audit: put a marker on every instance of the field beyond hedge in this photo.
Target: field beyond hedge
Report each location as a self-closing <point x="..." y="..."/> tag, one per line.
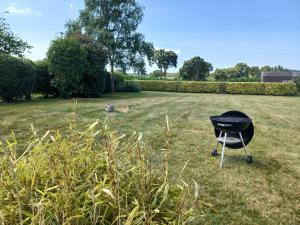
<point x="265" y="192"/>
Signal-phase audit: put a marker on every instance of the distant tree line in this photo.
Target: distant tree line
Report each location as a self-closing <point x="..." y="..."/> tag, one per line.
<point x="243" y="72"/>
<point x="197" y="69"/>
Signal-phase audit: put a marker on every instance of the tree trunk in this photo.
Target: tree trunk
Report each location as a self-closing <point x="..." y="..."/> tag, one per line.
<point x="197" y="74"/>
<point x="112" y="77"/>
<point x="165" y="72"/>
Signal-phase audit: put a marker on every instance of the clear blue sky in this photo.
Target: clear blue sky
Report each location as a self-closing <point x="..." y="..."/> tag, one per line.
<point x="223" y="32"/>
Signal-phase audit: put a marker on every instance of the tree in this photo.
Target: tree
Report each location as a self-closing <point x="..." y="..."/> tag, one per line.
<point x="93" y="79"/>
<point x="113" y="24"/>
<point x="44" y="79"/>
<point x="140" y="68"/>
<point x="243" y="70"/>
<point x="240" y="72"/>
<point x="165" y="59"/>
<point x="254" y="72"/>
<point x="78" y="64"/>
<point x="16" y="78"/>
<point x="66" y="61"/>
<point x="9" y="42"/>
<point x="278" y="68"/>
<point x="157" y="73"/>
<point x="219" y="75"/>
<point x="195" y="69"/>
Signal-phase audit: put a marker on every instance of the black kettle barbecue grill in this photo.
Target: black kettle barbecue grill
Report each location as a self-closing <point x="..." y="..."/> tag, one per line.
<point x="234" y="130"/>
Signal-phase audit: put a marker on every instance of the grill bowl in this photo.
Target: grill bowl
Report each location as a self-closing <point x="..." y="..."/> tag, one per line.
<point x="247" y="134"/>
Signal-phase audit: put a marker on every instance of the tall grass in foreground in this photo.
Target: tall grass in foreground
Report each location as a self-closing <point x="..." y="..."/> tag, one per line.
<point x="87" y="177"/>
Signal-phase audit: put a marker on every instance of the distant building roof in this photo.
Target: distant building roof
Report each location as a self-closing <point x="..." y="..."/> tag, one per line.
<point x="279" y="76"/>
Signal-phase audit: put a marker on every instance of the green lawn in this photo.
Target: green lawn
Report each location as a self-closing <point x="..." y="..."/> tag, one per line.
<point x="265" y="192"/>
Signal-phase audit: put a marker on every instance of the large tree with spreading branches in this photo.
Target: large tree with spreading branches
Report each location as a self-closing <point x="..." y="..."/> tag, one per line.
<point x="195" y="69"/>
<point x="113" y="24"/>
<point x="165" y="59"/>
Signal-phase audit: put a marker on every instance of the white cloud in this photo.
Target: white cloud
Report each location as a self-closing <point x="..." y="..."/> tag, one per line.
<point x="14" y="9"/>
<point x="71" y="5"/>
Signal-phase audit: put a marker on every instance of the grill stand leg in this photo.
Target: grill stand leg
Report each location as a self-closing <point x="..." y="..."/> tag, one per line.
<point x="223" y="150"/>
<point x="220" y="135"/>
<point x="246" y="152"/>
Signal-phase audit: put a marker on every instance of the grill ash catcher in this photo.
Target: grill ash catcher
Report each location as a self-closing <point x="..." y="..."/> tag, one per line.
<point x="234" y="130"/>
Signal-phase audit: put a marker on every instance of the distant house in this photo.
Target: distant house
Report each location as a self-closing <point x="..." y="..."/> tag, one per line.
<point x="279" y="76"/>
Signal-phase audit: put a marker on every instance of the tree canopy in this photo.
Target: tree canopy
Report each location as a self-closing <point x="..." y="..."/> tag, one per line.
<point x="165" y="59"/>
<point x="240" y="72"/>
<point x="195" y="69"/>
<point x="66" y="61"/>
<point x="16" y="78"/>
<point x="44" y="79"/>
<point x="278" y="68"/>
<point x="244" y="72"/>
<point x="9" y="42"/>
<point x="113" y="24"/>
<point x="78" y="65"/>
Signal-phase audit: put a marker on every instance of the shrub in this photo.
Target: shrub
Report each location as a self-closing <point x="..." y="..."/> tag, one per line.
<point x="260" y="88"/>
<point x="251" y="88"/>
<point x="67" y="62"/>
<point x="87" y="177"/>
<point x="93" y="80"/>
<point x="119" y="82"/>
<point x="131" y="87"/>
<point x="16" y="78"/>
<point x="157" y="73"/>
<point x="44" y="80"/>
<point x="245" y="79"/>
<point x="297" y="82"/>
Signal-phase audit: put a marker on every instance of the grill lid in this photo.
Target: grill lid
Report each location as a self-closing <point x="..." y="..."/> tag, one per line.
<point x="230" y="119"/>
<point x="247" y="133"/>
<point x="230" y="124"/>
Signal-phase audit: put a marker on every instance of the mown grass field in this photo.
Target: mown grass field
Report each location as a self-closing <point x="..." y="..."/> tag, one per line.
<point x="265" y="192"/>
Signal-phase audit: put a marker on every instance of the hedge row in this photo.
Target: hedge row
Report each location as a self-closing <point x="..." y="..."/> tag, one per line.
<point x="249" y="88"/>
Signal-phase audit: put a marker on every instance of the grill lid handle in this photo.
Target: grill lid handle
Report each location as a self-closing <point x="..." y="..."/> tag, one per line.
<point x="224" y="125"/>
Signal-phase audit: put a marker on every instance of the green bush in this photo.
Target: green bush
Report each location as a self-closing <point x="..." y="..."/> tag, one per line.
<point x="119" y="82"/>
<point x="44" y="79"/>
<point x="245" y="79"/>
<point x="87" y="176"/>
<point x="67" y="60"/>
<point x="121" y="85"/>
<point x="78" y="64"/>
<point x="251" y="88"/>
<point x="131" y="87"/>
<point x="297" y="82"/>
<point x="157" y="73"/>
<point x="16" y="78"/>
<point x="92" y="83"/>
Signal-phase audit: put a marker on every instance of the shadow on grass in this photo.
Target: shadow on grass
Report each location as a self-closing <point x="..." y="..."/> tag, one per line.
<point x="264" y="164"/>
